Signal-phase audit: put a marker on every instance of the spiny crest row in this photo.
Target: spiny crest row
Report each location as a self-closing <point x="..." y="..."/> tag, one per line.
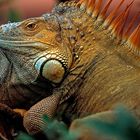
<point x="115" y="23"/>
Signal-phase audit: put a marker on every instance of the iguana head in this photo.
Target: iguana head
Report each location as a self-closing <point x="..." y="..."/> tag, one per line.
<point x="39" y="41"/>
<point x="33" y="52"/>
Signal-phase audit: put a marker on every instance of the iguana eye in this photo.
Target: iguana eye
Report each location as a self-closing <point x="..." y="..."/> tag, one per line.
<point x="31" y="26"/>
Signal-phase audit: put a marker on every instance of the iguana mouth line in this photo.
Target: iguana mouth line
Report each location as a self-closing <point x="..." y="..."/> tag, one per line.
<point x="18" y="43"/>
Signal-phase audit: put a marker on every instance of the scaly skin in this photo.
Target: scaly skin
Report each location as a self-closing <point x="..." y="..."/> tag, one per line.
<point x="94" y="69"/>
<point x="27" y="42"/>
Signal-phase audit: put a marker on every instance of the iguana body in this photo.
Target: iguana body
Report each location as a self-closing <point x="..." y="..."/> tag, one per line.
<point x="85" y="61"/>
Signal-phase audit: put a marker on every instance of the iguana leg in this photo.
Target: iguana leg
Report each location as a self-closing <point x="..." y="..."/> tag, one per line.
<point x="32" y="120"/>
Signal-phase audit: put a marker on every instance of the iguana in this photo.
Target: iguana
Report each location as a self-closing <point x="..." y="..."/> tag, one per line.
<point x="70" y="63"/>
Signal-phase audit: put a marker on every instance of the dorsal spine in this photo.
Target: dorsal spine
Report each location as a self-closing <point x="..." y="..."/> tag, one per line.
<point x="113" y="22"/>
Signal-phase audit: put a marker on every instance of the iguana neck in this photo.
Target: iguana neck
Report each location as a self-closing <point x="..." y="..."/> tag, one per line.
<point x="93" y="45"/>
<point x="105" y="76"/>
<point x="89" y="40"/>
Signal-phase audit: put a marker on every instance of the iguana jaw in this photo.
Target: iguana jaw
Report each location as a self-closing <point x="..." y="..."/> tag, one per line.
<point x="15" y="41"/>
<point x="18" y="43"/>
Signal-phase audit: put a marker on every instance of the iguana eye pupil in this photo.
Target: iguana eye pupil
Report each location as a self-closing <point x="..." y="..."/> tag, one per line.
<point x="31" y="26"/>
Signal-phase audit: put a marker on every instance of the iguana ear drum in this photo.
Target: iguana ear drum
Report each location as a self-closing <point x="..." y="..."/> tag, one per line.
<point x="51" y="70"/>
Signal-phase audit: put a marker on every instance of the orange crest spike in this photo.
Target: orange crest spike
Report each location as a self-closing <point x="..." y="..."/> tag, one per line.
<point x="116" y="21"/>
<point x="134" y="39"/>
<point x="91" y="6"/>
<point x="91" y="3"/>
<point x="120" y="33"/>
<point x="131" y="24"/>
<point x="119" y="22"/>
<point x="97" y="8"/>
<point x="106" y="8"/>
<point x="110" y="18"/>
